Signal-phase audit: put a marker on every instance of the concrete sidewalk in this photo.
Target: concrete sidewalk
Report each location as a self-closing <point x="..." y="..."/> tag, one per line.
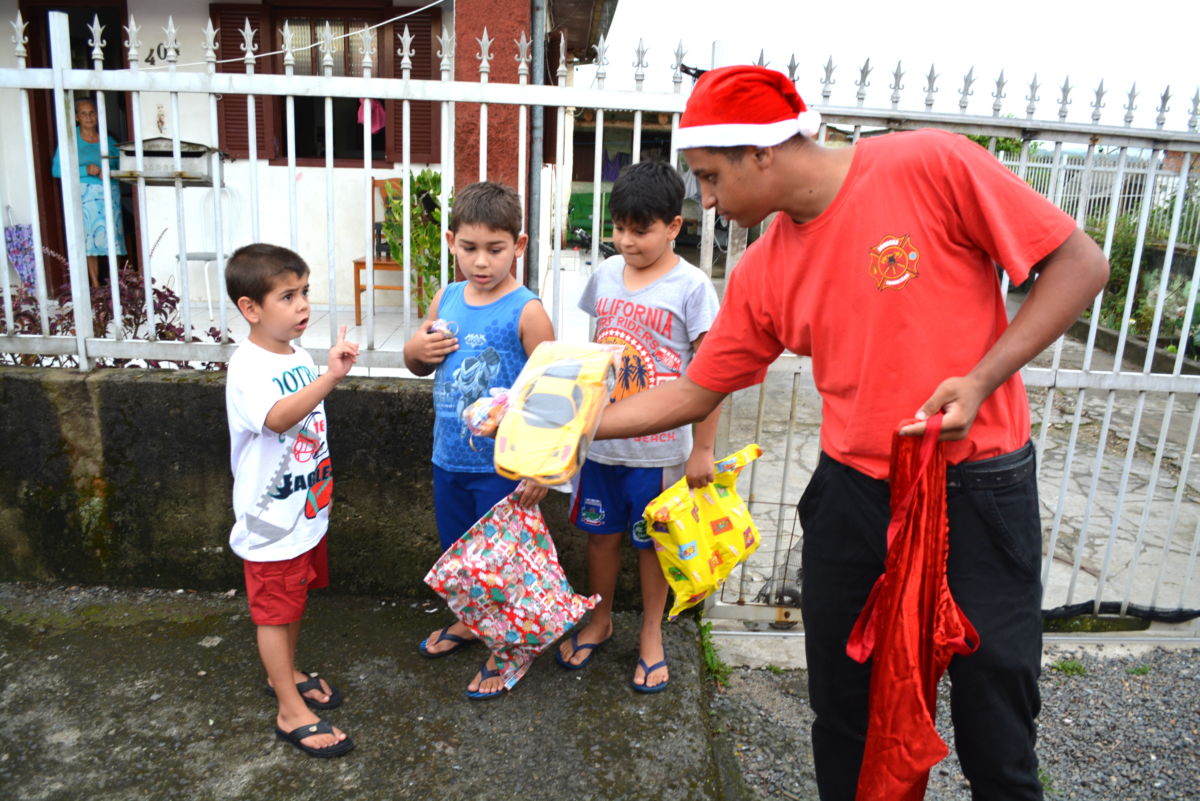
<point x="114" y="694"/>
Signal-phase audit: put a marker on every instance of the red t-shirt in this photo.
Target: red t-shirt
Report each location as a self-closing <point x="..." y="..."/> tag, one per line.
<point x="890" y="290"/>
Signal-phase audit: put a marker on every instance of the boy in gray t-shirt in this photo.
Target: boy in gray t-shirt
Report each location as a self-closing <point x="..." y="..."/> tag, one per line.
<point x="658" y="308"/>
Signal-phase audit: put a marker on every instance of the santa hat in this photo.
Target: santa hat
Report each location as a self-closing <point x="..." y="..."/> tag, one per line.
<point x="744" y="105"/>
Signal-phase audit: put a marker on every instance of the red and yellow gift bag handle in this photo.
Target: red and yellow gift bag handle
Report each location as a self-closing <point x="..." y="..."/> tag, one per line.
<point x="700" y="535"/>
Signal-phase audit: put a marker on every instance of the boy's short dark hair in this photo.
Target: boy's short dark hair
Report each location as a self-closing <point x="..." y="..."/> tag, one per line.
<point x="645" y="192"/>
<point x="251" y="270"/>
<point x="487" y="203"/>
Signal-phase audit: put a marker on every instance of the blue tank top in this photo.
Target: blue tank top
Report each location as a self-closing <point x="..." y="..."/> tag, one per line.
<point x="490" y="354"/>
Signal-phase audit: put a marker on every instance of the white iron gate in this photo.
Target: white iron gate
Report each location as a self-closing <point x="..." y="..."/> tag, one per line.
<point x="1116" y="430"/>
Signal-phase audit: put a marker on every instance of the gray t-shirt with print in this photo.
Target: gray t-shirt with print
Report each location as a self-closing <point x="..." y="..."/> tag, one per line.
<point x="656" y="326"/>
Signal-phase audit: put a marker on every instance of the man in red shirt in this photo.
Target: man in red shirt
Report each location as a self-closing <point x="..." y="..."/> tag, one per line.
<point x="881" y="267"/>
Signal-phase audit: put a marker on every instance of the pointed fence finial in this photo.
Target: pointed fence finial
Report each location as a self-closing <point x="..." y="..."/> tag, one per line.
<point x="133" y="43"/>
<point x="1065" y="99"/>
<point x="484" y="56"/>
<point x="827" y="81"/>
<point x="762" y="58"/>
<point x="289" y="55"/>
<point x="446" y="51"/>
<point x="406" y="51"/>
<point x="639" y="66"/>
<point x="367" y="38"/>
<point x="326" y="48"/>
<point x="1194" y="114"/>
<point x="792" y="67"/>
<point x="561" y="72"/>
<point x="210" y="45"/>
<point x="19" y="38"/>
<point x="1032" y="97"/>
<point x="523" y="56"/>
<point x="97" y="43"/>
<point x="966" y="90"/>
<point x="248" y="45"/>
<point x="896" y="86"/>
<point x="601" y="48"/>
<point x="1163" y="108"/>
<point x="677" y="73"/>
<point x="1129" y="106"/>
<point x="172" y="43"/>
<point x="930" y="89"/>
<point x="862" y="83"/>
<point x="1098" y="103"/>
<point x="999" y="94"/>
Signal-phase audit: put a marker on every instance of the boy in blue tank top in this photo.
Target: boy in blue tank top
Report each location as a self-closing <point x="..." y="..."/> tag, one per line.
<point x="496" y="324"/>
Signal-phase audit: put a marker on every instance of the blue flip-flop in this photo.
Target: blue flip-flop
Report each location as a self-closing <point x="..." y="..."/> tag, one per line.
<point x="647" y="670"/>
<point x="485" y="673"/>
<point x="444" y="634"/>
<point x="576" y="648"/>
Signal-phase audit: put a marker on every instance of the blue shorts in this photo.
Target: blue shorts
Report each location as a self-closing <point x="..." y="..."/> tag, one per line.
<point x="460" y="499"/>
<point x="610" y="498"/>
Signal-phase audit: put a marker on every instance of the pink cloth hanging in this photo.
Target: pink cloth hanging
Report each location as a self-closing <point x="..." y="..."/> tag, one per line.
<point x="377" y="121"/>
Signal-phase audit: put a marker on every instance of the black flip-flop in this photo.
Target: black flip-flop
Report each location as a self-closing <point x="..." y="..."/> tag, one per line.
<point x="576" y="648"/>
<point x="320" y="727"/>
<point x="646" y="671"/>
<point x="311" y="682"/>
<point x="485" y="673"/>
<point x="444" y="634"/>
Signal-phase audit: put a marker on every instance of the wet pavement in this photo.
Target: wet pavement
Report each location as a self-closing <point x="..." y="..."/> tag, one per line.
<point x="123" y="694"/>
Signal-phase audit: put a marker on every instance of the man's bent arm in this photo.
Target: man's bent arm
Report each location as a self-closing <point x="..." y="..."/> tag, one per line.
<point x="667" y="406"/>
<point x="1068" y="280"/>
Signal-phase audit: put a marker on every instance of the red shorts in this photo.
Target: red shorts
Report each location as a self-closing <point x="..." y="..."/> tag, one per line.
<point x="278" y="591"/>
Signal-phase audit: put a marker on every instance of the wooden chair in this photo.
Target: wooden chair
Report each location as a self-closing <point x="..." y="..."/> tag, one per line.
<point x="383" y="260"/>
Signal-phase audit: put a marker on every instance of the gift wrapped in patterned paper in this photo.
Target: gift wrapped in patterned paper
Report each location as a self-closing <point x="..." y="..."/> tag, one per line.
<point x="700" y="535"/>
<point x="503" y="580"/>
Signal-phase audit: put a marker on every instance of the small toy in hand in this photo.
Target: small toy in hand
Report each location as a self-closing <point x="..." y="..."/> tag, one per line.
<point x="447" y="328"/>
<point x="483" y="415"/>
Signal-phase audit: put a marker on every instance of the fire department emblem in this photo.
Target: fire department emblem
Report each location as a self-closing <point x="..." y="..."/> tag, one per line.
<point x="894" y="262"/>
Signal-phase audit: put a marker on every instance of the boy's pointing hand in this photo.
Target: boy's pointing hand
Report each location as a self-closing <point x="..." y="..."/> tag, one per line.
<point x="343" y="354"/>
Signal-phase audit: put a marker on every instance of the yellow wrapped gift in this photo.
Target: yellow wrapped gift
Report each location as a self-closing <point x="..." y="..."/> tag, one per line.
<point x="700" y="535"/>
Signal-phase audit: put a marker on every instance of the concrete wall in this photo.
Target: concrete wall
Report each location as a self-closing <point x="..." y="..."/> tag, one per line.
<point x="122" y="477"/>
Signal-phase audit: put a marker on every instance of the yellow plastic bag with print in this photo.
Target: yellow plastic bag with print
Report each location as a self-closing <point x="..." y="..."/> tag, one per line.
<point x="700" y="535"/>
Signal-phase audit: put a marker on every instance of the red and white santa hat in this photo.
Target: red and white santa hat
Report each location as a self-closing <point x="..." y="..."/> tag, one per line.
<point x="744" y="105"/>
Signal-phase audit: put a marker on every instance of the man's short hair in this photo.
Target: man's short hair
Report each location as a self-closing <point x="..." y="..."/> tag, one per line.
<point x="645" y="192"/>
<point x="735" y="153"/>
<point x="251" y="270"/>
<point x="487" y="203"/>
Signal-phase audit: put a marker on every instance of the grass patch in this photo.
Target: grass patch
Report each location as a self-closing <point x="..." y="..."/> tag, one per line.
<point x="714" y="668"/>
<point x="1138" y="670"/>
<point x="776" y="669"/>
<point x="1094" y="623"/>
<point x="1069" y="667"/>
<point x="1047" y="781"/>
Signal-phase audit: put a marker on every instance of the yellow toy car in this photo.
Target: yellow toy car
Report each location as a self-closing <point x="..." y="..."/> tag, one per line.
<point x="553" y="409"/>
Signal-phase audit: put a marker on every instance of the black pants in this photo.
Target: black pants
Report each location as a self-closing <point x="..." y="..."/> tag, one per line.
<point x="994" y="575"/>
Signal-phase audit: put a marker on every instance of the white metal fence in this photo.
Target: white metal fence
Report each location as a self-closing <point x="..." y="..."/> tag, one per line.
<point x="1116" y="433"/>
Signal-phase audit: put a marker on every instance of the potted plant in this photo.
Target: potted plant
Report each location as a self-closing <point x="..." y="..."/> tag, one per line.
<point x="425" y="222"/>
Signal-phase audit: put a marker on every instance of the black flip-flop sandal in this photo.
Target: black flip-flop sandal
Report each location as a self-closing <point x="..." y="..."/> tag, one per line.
<point x="444" y="634"/>
<point x="312" y="683"/>
<point x="320" y="727"/>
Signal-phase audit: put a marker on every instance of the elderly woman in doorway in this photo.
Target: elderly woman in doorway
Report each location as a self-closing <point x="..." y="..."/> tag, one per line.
<point x="91" y="186"/>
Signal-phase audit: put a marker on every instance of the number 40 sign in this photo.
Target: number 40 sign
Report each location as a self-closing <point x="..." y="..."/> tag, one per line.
<point x="159" y="53"/>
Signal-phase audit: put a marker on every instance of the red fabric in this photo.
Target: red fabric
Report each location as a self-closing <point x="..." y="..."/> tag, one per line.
<point x="741" y="94"/>
<point x="883" y="327"/>
<point x="910" y="626"/>
<point x="278" y="591"/>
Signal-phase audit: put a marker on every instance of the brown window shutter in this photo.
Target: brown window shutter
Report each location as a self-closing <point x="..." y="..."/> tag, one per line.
<point x="425" y="121"/>
<point x="231" y="109"/>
